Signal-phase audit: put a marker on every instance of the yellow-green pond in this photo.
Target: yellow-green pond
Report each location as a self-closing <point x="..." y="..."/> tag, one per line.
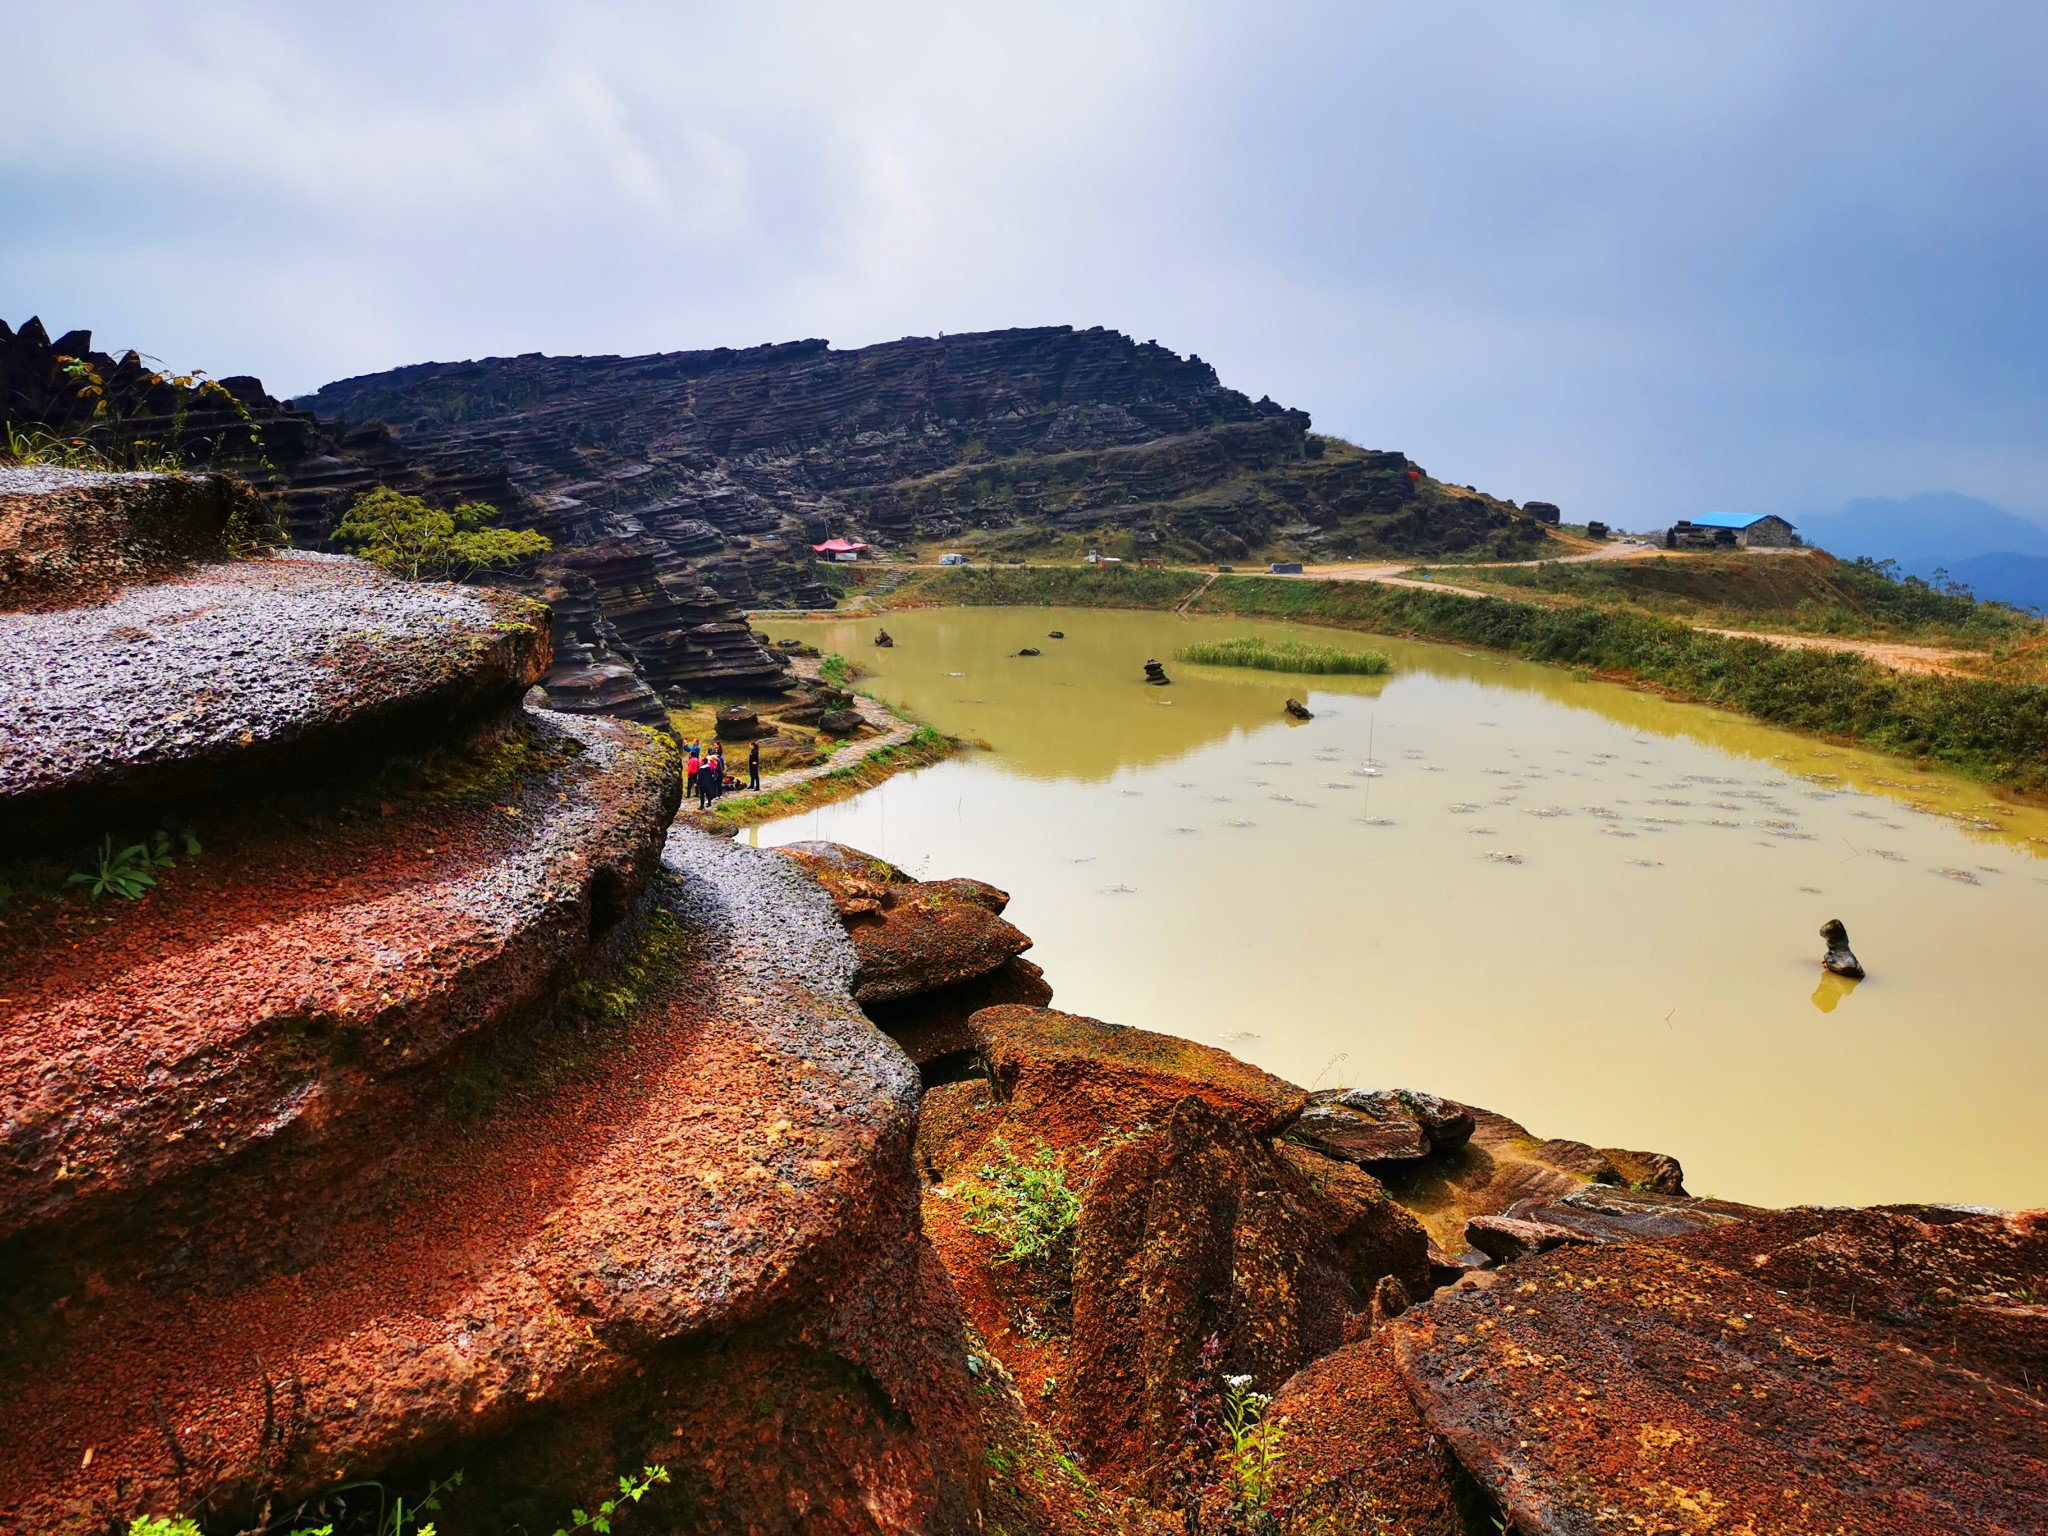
<point x="1589" y="908"/>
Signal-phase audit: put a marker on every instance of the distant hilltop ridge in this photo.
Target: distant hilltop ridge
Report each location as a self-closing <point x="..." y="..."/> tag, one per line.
<point x="679" y="487"/>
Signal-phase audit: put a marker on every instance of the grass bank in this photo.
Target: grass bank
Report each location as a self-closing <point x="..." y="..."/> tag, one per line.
<point x="1985" y="728"/>
<point x="1283" y="656"/>
<point x="925" y="747"/>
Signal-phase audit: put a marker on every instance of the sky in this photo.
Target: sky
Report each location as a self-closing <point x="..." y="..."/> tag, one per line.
<point x="1640" y="259"/>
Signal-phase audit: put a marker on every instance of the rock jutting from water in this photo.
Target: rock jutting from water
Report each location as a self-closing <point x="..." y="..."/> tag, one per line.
<point x="1840" y="959"/>
<point x="1155" y="674"/>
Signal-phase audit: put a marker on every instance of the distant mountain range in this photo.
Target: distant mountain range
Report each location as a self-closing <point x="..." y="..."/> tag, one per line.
<point x="1996" y="553"/>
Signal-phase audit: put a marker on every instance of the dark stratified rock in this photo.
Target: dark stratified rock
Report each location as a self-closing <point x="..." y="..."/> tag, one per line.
<point x="1369" y="1126"/>
<point x="840" y="722"/>
<point x="1542" y="511"/>
<point x="1655" y="1172"/>
<point x="884" y="639"/>
<point x="1056" y="634"/>
<point x="1029" y="650"/>
<point x="1507" y="1238"/>
<point x="1840" y="958"/>
<point x="1155" y="673"/>
<point x="1603" y="1213"/>
<point x="1650" y="1388"/>
<point x="913" y="937"/>
<point x="737" y="723"/>
<point x="1193" y="1230"/>
<point x="1298" y="710"/>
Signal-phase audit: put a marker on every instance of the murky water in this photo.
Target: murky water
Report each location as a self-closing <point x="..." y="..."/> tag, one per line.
<point x="1586" y="907"/>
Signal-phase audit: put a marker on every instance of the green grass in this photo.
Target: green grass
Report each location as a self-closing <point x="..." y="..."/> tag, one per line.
<point x="1283" y="656"/>
<point x="1027" y="1206"/>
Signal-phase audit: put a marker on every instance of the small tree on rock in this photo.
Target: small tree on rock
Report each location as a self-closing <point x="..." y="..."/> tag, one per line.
<point x="408" y="538"/>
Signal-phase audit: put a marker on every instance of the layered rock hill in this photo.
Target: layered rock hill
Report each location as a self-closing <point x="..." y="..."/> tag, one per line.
<point x="679" y="487"/>
<point x="637" y="613"/>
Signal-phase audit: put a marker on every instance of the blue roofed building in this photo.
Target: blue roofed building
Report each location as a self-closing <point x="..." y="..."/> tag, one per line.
<point x="1750" y="530"/>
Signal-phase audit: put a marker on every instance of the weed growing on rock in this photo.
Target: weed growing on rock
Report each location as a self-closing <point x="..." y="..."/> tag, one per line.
<point x="838" y="671"/>
<point x="1226" y="1473"/>
<point x="1027" y="1206"/>
<point x="1285" y="656"/>
<point x="128" y="872"/>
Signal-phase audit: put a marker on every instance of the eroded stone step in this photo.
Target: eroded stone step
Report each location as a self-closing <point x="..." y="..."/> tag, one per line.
<point x="734" y="1158"/>
<point x="240" y="673"/>
<point x="284" y="974"/>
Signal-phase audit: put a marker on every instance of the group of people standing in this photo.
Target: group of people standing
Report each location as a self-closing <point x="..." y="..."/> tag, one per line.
<point x="706" y="772"/>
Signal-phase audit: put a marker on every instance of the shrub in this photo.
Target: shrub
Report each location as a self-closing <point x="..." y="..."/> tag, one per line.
<point x="408" y="538"/>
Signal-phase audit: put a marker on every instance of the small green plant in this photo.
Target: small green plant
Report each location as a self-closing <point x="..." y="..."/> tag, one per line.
<point x="128" y="872"/>
<point x="408" y="538"/>
<point x="158" y="1525"/>
<point x="1283" y="656"/>
<point x="36" y="446"/>
<point x="1027" y="1206"/>
<point x="838" y="671"/>
<point x="631" y="1491"/>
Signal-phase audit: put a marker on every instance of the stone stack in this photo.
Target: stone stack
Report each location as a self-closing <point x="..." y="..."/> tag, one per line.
<point x="414" y="1117"/>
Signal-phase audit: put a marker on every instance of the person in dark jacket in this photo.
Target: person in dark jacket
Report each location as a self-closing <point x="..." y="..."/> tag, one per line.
<point x="711" y="779"/>
<point x="754" y="765"/>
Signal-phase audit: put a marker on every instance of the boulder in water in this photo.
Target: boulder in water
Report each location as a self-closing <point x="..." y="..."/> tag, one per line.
<point x="1841" y="959"/>
<point x="1299" y="710"/>
<point x="1029" y="650"/>
<point x="1056" y="634"/>
<point x="1155" y="674"/>
<point x="884" y="639"/>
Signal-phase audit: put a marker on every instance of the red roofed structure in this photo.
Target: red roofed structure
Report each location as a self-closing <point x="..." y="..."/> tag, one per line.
<point x="840" y="549"/>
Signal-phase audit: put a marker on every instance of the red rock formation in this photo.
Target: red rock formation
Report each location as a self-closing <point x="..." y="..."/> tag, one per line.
<point x="413" y="1123"/>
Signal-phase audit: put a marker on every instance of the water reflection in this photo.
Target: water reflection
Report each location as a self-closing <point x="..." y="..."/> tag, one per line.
<point x="1833" y="989"/>
<point x="1571" y="902"/>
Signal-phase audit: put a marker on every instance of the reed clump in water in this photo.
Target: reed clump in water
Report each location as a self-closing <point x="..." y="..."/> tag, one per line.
<point x="1284" y="656"/>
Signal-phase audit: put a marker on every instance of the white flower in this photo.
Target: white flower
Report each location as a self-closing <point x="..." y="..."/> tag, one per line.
<point x="1237" y="1383"/>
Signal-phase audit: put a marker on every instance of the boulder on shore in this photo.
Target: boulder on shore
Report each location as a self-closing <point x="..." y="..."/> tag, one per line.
<point x="737" y="722"/>
<point x="913" y="936"/>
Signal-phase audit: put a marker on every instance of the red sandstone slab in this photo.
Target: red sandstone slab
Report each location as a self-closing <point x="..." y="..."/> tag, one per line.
<point x="286" y="973"/>
<point x="1641" y="1389"/>
<point x="739" y="1153"/>
<point x="238" y="671"/>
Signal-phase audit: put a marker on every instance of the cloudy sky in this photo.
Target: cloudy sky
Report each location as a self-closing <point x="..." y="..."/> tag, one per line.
<point x="1637" y="258"/>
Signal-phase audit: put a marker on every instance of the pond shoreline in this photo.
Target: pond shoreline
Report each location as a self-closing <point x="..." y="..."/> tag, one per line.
<point x="1991" y="731"/>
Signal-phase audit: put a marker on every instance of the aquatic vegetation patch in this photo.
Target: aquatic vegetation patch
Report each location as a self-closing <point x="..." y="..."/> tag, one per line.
<point x="1283" y="656"/>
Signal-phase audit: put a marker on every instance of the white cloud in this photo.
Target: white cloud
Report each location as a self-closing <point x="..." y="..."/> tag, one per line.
<point x="1632" y="258"/>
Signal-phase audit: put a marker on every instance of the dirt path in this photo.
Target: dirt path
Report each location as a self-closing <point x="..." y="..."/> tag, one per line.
<point x="1940" y="661"/>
